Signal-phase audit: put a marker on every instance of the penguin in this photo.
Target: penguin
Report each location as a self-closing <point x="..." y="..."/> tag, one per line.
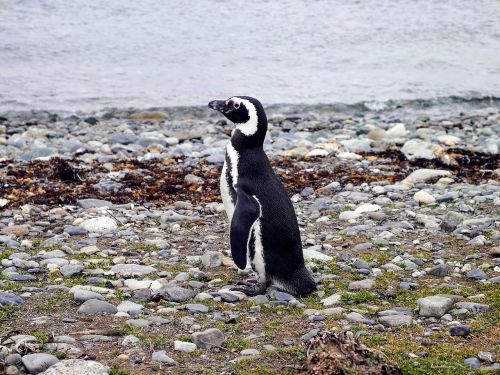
<point x="264" y="233"/>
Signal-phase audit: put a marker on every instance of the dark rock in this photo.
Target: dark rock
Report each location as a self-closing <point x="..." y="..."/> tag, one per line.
<point x="460" y="331"/>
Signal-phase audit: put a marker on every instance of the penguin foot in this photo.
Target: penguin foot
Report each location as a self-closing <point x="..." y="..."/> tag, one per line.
<point x="251" y="290"/>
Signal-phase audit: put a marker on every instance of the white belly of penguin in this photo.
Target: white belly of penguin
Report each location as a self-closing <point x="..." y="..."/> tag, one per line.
<point x="258" y="263"/>
<point x="226" y="196"/>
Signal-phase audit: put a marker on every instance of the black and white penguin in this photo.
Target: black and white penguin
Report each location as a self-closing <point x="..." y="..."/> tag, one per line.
<point x="264" y="232"/>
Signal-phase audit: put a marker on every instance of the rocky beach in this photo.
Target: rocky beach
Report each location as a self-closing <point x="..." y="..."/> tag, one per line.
<point x="115" y="256"/>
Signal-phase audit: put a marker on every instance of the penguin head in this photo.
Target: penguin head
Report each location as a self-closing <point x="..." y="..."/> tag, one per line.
<point x="246" y="112"/>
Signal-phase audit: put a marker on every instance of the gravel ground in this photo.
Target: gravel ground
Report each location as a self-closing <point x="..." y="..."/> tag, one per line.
<point x="115" y="256"/>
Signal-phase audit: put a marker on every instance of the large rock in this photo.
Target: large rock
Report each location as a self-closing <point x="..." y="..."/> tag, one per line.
<point x="211" y="259"/>
<point x="424" y="175"/>
<point x="77" y="367"/>
<point x="434" y="306"/>
<point x="451" y="221"/>
<point x="38" y="362"/>
<point x="208" y="338"/>
<point x="417" y="149"/>
<point x="95" y="306"/>
<point x="132" y="270"/>
<point x="424" y="197"/>
<point x="101" y="224"/>
<point x="10" y="299"/>
<point x="175" y="293"/>
<point x="70" y="270"/>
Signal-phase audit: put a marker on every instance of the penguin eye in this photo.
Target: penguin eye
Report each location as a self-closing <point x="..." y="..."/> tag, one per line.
<point x="236" y="105"/>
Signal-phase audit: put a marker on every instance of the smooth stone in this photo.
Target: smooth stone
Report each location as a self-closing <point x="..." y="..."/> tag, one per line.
<point x="13" y="359"/>
<point x="441" y="270"/>
<point x="472" y="362"/>
<point x="424" y="175"/>
<point x="182" y="346"/>
<point x="95" y="306"/>
<point x="211" y="259"/>
<point x="473" y="307"/>
<point x="334" y="299"/>
<point x="311" y="254"/>
<point x="162" y="357"/>
<point x="246" y="352"/>
<point x="434" y="306"/>
<point x="132" y="270"/>
<point x="196" y="308"/>
<point x="208" y="338"/>
<point x="129" y="307"/>
<point x="424" y="197"/>
<point x="93" y="203"/>
<point x="77" y="367"/>
<point x="366" y="284"/>
<point x="451" y="221"/>
<point x="477" y="274"/>
<point x="396" y="320"/>
<point x="175" y="293"/>
<point x="82" y="295"/>
<point x="70" y="270"/>
<point x="309" y="335"/>
<point x="139" y="323"/>
<point x="102" y="224"/>
<point x="358" y="318"/>
<point x="460" y="331"/>
<point x="38" y="362"/>
<point x="75" y="231"/>
<point x="10" y="299"/>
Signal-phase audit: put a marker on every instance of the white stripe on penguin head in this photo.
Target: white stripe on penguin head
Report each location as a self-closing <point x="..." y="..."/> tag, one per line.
<point x="250" y="127"/>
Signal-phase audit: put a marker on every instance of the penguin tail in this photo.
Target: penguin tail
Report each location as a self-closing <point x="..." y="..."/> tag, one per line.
<point x="300" y="283"/>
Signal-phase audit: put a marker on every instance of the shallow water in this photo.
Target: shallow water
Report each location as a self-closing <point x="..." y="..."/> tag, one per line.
<point x="77" y="54"/>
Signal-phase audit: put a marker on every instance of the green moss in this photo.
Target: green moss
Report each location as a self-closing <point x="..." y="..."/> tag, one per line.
<point x="237" y="344"/>
<point x="358" y="298"/>
<point x="115" y="370"/>
<point x="146" y="247"/>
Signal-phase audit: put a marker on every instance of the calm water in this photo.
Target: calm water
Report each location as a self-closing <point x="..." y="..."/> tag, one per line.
<point x="83" y="54"/>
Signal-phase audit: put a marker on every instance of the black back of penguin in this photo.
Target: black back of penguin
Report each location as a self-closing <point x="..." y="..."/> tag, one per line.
<point x="280" y="235"/>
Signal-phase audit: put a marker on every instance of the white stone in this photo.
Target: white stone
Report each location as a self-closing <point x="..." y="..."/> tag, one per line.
<point x="423" y="175"/>
<point x="349" y="156"/>
<point x="349" y="215"/>
<point x="449" y="140"/>
<point x="310" y="254"/>
<point x="317" y="152"/>
<point x="397" y="131"/>
<point x="100" y="224"/>
<point x="424" y="197"/>
<point x="334" y="299"/>
<point x="367" y="208"/>
<point x="182" y="346"/>
<point x="417" y="149"/>
<point x="134" y="284"/>
<point x="77" y="366"/>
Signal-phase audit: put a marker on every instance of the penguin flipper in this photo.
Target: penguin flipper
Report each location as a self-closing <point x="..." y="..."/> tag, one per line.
<point x="246" y="212"/>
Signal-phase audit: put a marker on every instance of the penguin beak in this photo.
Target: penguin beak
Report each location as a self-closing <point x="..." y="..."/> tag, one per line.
<point x="220" y="105"/>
